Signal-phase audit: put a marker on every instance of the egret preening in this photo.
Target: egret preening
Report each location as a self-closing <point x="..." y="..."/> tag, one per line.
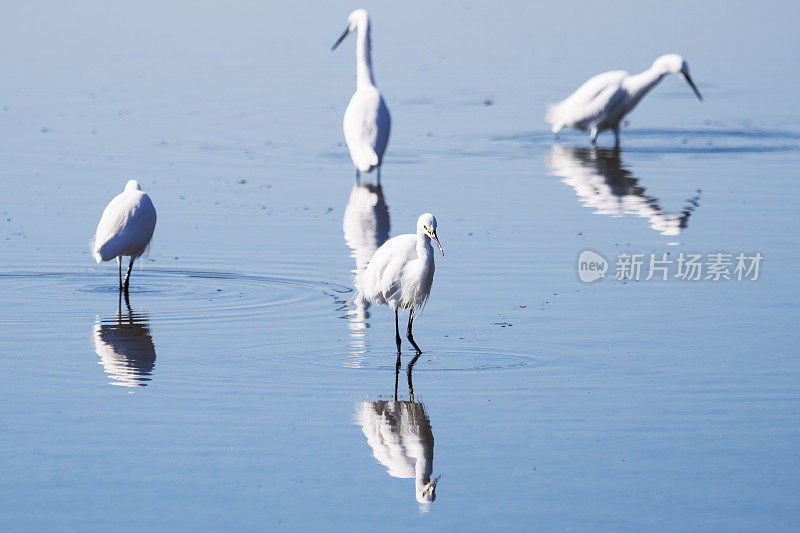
<point x="366" y="121"/>
<point x="602" y="102"/>
<point x="400" y="274"/>
<point x="125" y="229"/>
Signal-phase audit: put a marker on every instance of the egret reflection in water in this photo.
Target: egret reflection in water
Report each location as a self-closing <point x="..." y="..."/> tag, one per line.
<point x="399" y="433"/>
<point x="126" y="348"/>
<point x="601" y="182"/>
<point x="366" y="226"/>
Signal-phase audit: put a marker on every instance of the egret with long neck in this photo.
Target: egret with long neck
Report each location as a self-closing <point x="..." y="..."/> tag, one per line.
<point x="400" y="274"/>
<point x="602" y="102"/>
<point x="366" y="121"/>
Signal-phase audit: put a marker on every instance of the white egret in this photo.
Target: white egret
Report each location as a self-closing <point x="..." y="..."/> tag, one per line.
<point x="602" y="102"/>
<point x="125" y="229"/>
<point x="400" y="273"/>
<point x="366" y="121"/>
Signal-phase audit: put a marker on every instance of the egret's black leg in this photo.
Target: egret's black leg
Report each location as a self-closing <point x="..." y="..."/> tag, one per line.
<point x="379" y="176"/>
<point x="127" y="301"/>
<point x="408" y="331"/>
<point x="616" y="137"/>
<point x="594" y="137"/>
<point x="358" y="177"/>
<point x="119" y="264"/>
<point x="127" y="277"/>
<point x="397" y="335"/>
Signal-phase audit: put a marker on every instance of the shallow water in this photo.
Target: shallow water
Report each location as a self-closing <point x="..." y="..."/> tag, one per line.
<point x="231" y="391"/>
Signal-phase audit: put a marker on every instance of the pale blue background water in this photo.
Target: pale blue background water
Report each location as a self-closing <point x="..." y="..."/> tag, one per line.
<point x="659" y="405"/>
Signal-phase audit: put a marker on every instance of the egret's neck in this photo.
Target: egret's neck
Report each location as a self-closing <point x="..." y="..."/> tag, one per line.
<point x="640" y="84"/>
<point x="364" y="75"/>
<point x="423" y="470"/>
<point x="424" y="247"/>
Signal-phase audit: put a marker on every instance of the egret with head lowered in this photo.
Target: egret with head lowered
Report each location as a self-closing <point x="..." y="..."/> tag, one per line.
<point x="400" y="274"/>
<point x="366" y="120"/>
<point x="125" y="229"/>
<point x="602" y="102"/>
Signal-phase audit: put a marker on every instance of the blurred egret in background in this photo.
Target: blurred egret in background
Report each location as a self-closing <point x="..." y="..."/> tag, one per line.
<point x="366" y="120"/>
<point x="601" y="103"/>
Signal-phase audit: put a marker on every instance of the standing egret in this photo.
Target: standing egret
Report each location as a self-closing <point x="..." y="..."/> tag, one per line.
<point x="125" y="228"/>
<point x="602" y="102"/>
<point x="366" y="121"/>
<point x="400" y="274"/>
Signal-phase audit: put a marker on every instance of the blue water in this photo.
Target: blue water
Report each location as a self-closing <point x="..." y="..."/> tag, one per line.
<point x="230" y="394"/>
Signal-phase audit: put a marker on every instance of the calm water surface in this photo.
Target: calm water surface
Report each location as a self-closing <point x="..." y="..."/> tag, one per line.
<point x="244" y="386"/>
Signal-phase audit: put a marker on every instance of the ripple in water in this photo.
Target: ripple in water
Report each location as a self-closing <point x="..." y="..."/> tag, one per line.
<point x="679" y="141"/>
<point x="181" y="296"/>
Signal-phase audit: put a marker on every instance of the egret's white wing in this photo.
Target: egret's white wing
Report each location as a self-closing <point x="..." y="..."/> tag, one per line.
<point x="126" y="226"/>
<point x="589" y="103"/>
<point x="366" y="128"/>
<point x="382" y="278"/>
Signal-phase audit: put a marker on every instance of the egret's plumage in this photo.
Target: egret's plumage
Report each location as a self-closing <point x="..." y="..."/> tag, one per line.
<point x="126" y="226"/>
<point x="400" y="274"/>
<point x="601" y="103"/>
<point x="366" y="121"/>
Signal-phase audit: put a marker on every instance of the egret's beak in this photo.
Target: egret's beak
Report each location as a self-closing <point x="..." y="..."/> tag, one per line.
<point x="432" y="485"/>
<point x="341" y="38"/>
<point x="436" y="240"/>
<point x="691" y="84"/>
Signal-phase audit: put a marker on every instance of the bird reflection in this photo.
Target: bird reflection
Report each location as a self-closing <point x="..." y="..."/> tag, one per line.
<point x="366" y="227"/>
<point x="125" y="347"/>
<point x="602" y="183"/>
<point x="399" y="433"/>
